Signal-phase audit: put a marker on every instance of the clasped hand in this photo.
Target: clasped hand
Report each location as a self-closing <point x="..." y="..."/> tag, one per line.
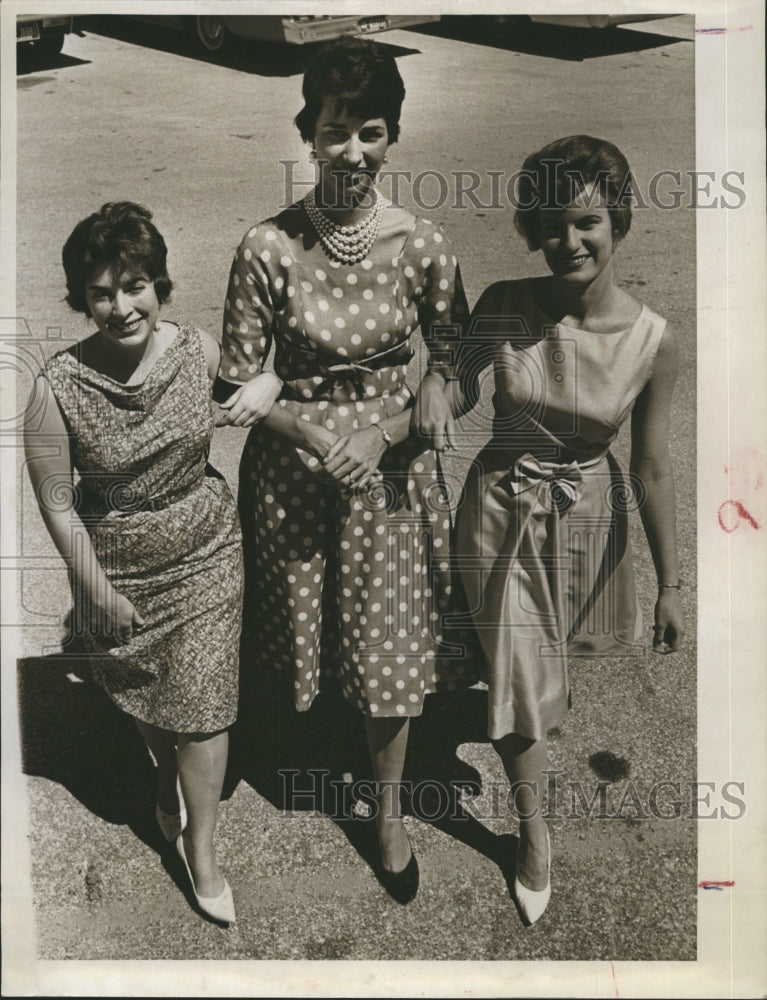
<point x="352" y="459"/>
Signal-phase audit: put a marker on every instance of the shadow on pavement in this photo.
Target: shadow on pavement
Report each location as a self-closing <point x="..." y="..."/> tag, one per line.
<point x="549" y="40"/>
<point x="72" y="733"/>
<point x="29" y="60"/>
<point x="284" y="755"/>
<point x="259" y="58"/>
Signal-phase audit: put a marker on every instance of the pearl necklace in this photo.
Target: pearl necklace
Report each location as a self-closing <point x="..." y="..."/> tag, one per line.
<point x="345" y="244"/>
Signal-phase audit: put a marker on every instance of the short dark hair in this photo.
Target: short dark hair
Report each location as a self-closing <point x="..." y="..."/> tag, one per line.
<point x="552" y="178"/>
<point x="354" y="74"/>
<point x="119" y="234"/>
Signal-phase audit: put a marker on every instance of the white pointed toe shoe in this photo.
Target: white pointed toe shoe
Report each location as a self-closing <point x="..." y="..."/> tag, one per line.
<point x="532" y="902"/>
<point x="221" y="907"/>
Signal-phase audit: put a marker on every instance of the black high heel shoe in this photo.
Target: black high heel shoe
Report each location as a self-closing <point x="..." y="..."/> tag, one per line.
<point x="402" y="886"/>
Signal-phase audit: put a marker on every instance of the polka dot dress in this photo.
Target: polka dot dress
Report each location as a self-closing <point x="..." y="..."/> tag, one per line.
<point x="344" y="587"/>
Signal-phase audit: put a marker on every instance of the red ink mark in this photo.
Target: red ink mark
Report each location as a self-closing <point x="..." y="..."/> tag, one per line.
<point x="718" y="886"/>
<point x="727" y="524"/>
<point x="615" y="979"/>
<point x="746" y="468"/>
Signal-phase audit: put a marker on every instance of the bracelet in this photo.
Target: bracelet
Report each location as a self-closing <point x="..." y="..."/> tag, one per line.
<point x="670" y="586"/>
<point x="384" y="433"/>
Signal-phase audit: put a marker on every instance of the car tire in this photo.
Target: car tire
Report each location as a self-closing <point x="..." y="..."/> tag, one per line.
<point x="49" y="44"/>
<point x="208" y="33"/>
<point x="505" y="26"/>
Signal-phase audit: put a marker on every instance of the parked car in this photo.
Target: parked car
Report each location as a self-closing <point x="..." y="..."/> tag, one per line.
<point x="215" y="33"/>
<point x="508" y="25"/>
<point x="45" y="34"/>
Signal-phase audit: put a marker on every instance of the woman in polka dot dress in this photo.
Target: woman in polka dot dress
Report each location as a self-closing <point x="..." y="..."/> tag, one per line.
<point x="344" y="513"/>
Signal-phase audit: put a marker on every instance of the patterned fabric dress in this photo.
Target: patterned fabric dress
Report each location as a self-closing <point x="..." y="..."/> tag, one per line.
<point x="542" y="536"/>
<point x="349" y="585"/>
<point x="164" y="527"/>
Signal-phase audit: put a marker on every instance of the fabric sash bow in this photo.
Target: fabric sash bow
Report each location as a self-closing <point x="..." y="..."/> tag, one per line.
<point x="560" y="481"/>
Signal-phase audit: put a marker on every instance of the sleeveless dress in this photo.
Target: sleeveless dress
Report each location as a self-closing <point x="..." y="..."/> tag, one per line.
<point x="542" y="543"/>
<point x="164" y="527"/>
<point x="344" y="588"/>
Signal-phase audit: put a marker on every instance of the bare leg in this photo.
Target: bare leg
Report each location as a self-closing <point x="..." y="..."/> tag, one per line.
<point x="387" y="739"/>
<point x="524" y="760"/>
<point x="162" y="744"/>
<point x="201" y="766"/>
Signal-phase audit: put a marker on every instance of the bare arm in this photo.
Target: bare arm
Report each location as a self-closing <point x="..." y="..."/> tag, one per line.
<point x="245" y="405"/>
<point x="49" y="461"/>
<point x="651" y="465"/>
<point x="302" y="433"/>
<point x="212" y="351"/>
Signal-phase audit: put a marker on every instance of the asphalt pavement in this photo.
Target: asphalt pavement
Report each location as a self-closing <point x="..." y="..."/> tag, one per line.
<point x="127" y="112"/>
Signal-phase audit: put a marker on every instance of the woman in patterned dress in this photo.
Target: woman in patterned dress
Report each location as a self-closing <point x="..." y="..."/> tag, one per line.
<point x="344" y="514"/>
<point x="150" y="533"/>
<point x="542" y="536"/>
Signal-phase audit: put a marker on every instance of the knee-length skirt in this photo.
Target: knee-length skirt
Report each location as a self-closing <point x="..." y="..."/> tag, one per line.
<point x="347" y="588"/>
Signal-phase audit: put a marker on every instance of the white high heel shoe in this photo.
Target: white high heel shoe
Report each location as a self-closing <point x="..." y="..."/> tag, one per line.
<point x="219" y="907"/>
<point x="532" y="902"/>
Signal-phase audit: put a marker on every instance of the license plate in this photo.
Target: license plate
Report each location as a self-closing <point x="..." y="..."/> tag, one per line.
<point x="374" y="24"/>
<point x="28" y="32"/>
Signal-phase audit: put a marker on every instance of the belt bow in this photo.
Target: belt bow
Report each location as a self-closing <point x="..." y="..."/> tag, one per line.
<point x="357" y="370"/>
<point x="561" y="481"/>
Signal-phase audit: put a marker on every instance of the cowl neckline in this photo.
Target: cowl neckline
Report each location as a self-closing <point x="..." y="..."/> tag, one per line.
<point x="142" y="394"/>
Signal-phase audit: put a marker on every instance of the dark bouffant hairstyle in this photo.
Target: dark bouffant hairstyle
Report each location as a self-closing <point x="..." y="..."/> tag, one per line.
<point x="356" y="75"/>
<point x="120" y="234"/>
<point x="553" y="177"/>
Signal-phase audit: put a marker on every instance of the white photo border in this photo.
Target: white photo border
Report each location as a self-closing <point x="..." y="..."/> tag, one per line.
<point x="732" y="682"/>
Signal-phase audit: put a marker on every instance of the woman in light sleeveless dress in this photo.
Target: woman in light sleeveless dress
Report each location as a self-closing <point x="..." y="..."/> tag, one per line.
<point x="542" y="535"/>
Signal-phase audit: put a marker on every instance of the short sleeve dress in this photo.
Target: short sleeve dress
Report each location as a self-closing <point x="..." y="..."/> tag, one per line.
<point x="165" y="530"/>
<point x="542" y="535"/>
<point x="344" y="589"/>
